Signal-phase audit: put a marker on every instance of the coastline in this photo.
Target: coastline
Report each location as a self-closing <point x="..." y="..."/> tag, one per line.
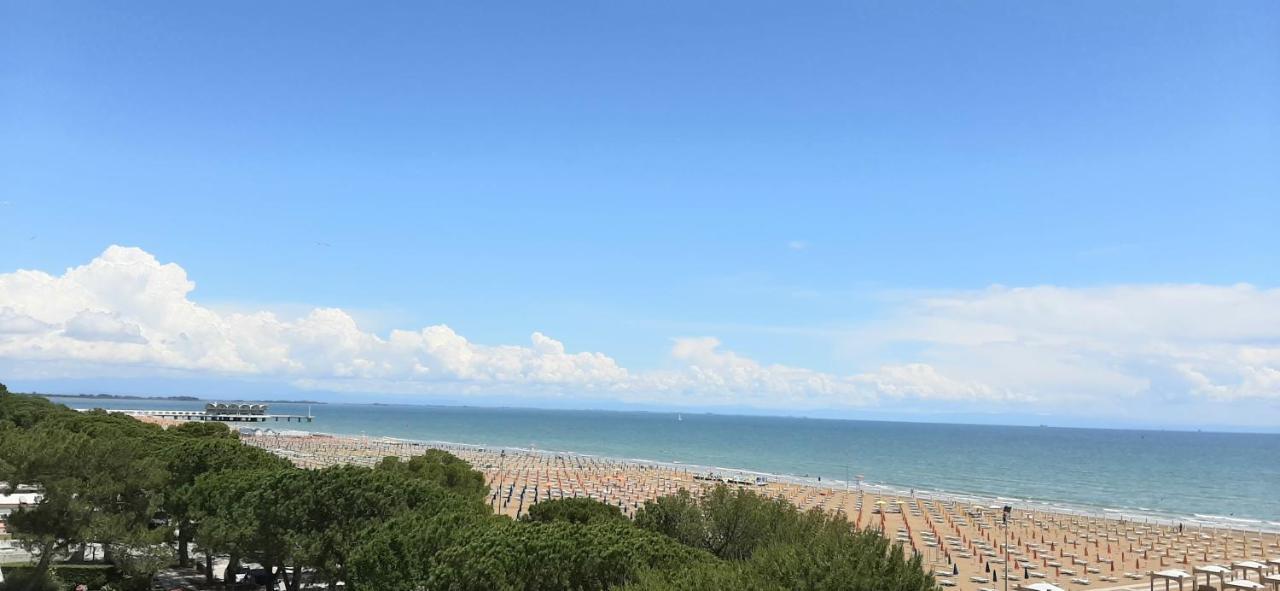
<point x="961" y="539"/>
<point x="1131" y="514"/>
<point x="1145" y="475"/>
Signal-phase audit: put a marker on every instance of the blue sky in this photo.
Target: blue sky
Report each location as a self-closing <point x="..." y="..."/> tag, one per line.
<point x="804" y="183"/>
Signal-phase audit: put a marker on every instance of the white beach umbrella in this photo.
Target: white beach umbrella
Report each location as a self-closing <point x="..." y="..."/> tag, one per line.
<point x="1212" y="569"/>
<point x="1244" y="584"/>
<point x="1172" y="574"/>
<point x="1040" y="587"/>
<point x="1221" y="572"/>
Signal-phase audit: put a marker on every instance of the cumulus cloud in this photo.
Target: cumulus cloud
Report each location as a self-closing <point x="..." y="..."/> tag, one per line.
<point x="88" y="325"/>
<point x="125" y="309"/>
<point x="11" y="322"/>
<point x="1215" y="342"/>
<point x="126" y="313"/>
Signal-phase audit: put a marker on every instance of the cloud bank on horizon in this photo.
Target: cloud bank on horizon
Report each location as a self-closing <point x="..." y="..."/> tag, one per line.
<point x="126" y="314"/>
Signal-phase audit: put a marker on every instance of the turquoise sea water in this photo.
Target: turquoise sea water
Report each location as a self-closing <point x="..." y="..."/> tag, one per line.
<point x="1215" y="478"/>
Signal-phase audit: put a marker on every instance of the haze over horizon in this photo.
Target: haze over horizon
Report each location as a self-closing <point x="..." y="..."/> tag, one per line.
<point x="999" y="210"/>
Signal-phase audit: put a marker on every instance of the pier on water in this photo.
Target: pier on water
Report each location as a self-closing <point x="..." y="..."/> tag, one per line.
<point x="228" y="412"/>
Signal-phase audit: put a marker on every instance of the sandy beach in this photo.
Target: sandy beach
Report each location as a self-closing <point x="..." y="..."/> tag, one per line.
<point x="962" y="541"/>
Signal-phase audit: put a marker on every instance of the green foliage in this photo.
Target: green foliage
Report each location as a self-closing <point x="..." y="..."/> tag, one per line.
<point x="99" y="475"/>
<point x="735" y="576"/>
<point x="204" y="429"/>
<point x="188" y="458"/>
<point x="441" y="467"/>
<point x="730" y="523"/>
<point x="460" y="554"/>
<point x="573" y="510"/>
<point x="314" y="518"/>
<point x="242" y="513"/>
<point x="25" y="411"/>
<point x="337" y="504"/>
<point x="770" y="544"/>
<point x="398" y="554"/>
<point x="832" y="561"/>
<point x="28" y="579"/>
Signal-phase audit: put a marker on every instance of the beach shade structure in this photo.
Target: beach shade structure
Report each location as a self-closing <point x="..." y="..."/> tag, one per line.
<point x="1273" y="581"/>
<point x="1040" y="587"/>
<point x="1213" y="570"/>
<point x="1244" y="566"/>
<point x="1245" y="584"/>
<point x="1169" y="576"/>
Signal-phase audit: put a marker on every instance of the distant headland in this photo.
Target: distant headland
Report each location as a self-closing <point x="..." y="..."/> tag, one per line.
<point x="139" y="397"/>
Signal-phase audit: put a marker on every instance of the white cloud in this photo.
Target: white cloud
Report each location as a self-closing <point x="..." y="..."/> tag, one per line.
<point x="125" y="309"/>
<point x="88" y="325"/>
<point x="11" y="322"/>
<point x="1220" y="342"/>
<point x="797" y="245"/>
<point x="125" y="313"/>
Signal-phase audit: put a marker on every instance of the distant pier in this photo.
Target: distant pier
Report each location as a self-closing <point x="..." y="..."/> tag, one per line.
<point x="225" y="412"/>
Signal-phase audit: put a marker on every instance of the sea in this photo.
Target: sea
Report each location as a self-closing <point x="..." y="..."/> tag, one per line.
<point x="1197" y="478"/>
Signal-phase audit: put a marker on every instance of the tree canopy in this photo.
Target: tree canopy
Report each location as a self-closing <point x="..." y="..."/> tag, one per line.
<point x="573" y="510"/>
<point x="441" y="467"/>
